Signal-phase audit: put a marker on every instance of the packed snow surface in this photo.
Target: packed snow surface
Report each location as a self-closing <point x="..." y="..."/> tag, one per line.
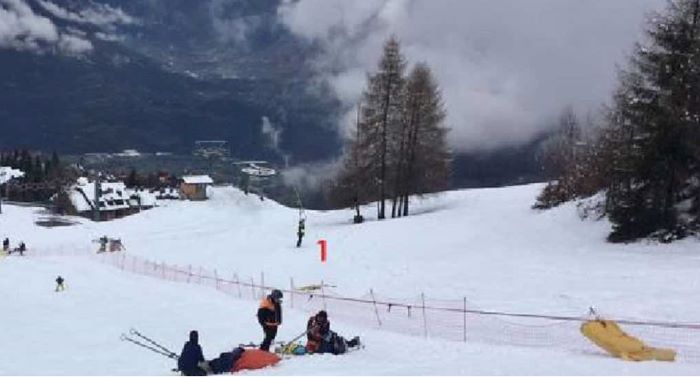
<point x="487" y="245"/>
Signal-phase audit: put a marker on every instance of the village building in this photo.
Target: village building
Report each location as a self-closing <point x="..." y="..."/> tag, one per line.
<point x="194" y="187"/>
<point x="114" y="201"/>
<point x="167" y="193"/>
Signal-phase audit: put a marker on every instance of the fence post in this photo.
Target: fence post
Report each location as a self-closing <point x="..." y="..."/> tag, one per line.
<point x="216" y="279"/>
<point x="425" y="319"/>
<point x="323" y="295"/>
<point x="238" y="284"/>
<point x="200" y="275"/>
<point x="376" y="311"/>
<point x="189" y="273"/>
<point x="465" y="319"/>
<point x="291" y="289"/>
<point x="252" y="287"/>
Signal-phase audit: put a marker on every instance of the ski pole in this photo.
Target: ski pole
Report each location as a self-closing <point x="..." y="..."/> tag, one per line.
<point x="135" y="332"/>
<point x="134" y="341"/>
<point x="251" y="344"/>
<point x="285" y="349"/>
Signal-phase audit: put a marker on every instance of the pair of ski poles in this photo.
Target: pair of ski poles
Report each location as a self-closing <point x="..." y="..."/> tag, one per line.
<point x="148" y="343"/>
<point x="152" y="345"/>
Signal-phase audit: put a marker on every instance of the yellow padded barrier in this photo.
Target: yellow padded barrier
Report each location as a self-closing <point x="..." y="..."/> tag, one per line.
<point x="610" y="337"/>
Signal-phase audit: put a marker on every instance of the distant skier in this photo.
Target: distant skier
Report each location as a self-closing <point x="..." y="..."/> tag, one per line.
<point x="59" y="284"/>
<point x="6" y="245"/>
<point x="191" y="356"/>
<point x="103" y="244"/>
<point x="300" y="231"/>
<point x="320" y="338"/>
<point x="270" y="317"/>
<point x="22" y="248"/>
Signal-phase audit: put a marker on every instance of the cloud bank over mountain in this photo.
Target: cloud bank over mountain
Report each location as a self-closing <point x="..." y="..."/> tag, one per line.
<point x="25" y="28"/>
<point x="507" y="68"/>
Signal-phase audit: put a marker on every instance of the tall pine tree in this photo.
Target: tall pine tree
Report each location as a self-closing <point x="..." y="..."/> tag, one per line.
<point x="427" y="156"/>
<point x="655" y="119"/>
<point x="399" y="147"/>
<point x="381" y="117"/>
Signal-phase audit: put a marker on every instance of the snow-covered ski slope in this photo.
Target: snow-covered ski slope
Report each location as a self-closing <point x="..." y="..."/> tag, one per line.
<point x="486" y="245"/>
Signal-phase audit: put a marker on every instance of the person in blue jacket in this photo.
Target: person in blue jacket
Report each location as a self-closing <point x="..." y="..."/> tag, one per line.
<point x="191" y="356"/>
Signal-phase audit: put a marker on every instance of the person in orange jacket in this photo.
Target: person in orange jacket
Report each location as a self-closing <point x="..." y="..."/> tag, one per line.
<point x="270" y="317"/>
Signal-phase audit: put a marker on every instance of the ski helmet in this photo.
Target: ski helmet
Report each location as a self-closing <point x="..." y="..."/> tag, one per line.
<point x="276" y="294"/>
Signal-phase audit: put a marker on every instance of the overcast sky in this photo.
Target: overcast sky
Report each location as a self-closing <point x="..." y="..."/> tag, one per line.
<point x="506" y="67"/>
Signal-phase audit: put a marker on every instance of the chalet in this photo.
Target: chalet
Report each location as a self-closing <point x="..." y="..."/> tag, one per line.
<point x="142" y="198"/>
<point x="166" y="193"/>
<point x="194" y="187"/>
<point x="114" y="200"/>
<point x="7" y="173"/>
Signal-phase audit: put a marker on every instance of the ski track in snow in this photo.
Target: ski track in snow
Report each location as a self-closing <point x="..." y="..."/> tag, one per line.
<point x="487" y="245"/>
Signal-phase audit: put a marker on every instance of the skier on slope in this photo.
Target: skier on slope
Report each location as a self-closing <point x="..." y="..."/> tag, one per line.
<point x="300" y="231"/>
<point x="22" y="248"/>
<point x="270" y="317"/>
<point x="191" y="356"/>
<point x="6" y="245"/>
<point x="59" y="284"/>
<point x="103" y="244"/>
<point x="320" y="338"/>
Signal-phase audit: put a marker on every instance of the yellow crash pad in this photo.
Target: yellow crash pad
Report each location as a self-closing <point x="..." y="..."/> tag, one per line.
<point x="610" y="337"/>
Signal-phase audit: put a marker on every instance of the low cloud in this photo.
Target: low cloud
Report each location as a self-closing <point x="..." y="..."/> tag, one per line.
<point x="273" y="133"/>
<point x="506" y="68"/>
<point x="310" y="177"/>
<point x="21" y="28"/>
<point x="96" y="14"/>
<point x="230" y="26"/>
<point x="74" y="45"/>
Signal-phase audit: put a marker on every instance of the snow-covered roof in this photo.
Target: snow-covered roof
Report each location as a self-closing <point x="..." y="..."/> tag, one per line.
<point x="129" y="153"/>
<point x="197" y="179"/>
<point x="166" y="193"/>
<point x="7" y="173"/>
<point x="114" y="195"/>
<point x="146" y="198"/>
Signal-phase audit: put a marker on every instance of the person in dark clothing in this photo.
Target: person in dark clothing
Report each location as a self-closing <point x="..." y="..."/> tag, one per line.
<point x="317" y="328"/>
<point x="191" y="356"/>
<point x="300" y="231"/>
<point x="226" y="361"/>
<point x="6" y="245"/>
<point x="22" y="248"/>
<point x="59" y="284"/>
<point x="103" y="244"/>
<point x="270" y="317"/>
<point x="320" y="338"/>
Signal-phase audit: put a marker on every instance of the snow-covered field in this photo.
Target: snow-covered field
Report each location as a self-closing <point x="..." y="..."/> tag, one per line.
<point x="486" y="245"/>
